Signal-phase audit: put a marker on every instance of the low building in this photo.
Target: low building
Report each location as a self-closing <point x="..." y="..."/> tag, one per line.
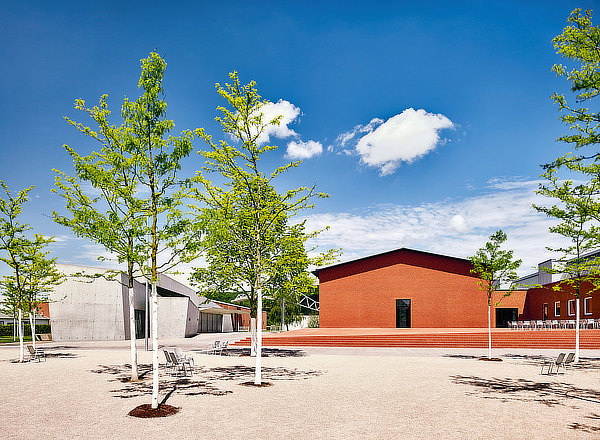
<point x="92" y="306"/>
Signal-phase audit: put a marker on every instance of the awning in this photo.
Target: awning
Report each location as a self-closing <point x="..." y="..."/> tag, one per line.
<point x="223" y="311"/>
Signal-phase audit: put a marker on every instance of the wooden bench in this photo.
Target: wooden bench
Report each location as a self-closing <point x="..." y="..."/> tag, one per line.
<point x="43" y="337"/>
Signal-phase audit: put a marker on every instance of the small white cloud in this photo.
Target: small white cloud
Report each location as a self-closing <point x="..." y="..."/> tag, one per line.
<point x="402" y="138"/>
<point x="458" y="223"/>
<point x="270" y="111"/>
<point x="303" y="150"/>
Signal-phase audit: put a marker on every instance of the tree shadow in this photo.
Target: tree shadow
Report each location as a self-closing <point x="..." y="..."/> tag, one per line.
<point x="189" y="386"/>
<point x="199" y="384"/>
<point x="266" y="352"/>
<point x="241" y="372"/>
<point x="510" y="389"/>
<point x="585" y="363"/>
<point x="585" y="427"/>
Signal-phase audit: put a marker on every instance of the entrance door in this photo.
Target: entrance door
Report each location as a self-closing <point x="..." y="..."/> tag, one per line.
<point x="505" y="315"/>
<point x="545" y="312"/>
<point x="403" y="313"/>
<point x="140" y="323"/>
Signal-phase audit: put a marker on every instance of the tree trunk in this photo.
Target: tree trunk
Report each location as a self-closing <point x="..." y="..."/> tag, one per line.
<point x="32" y="325"/>
<point x="132" y="335"/>
<point x="282" y="313"/>
<point x="21" y="351"/>
<point x="252" y="336"/>
<point x="257" y="370"/>
<point x="154" y="346"/>
<point x="489" y="331"/>
<point x="576" y="329"/>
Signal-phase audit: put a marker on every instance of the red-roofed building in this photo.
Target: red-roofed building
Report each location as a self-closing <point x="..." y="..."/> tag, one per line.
<point x="407" y="288"/>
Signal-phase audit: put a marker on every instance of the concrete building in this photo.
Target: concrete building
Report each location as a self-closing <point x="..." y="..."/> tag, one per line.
<point x="97" y="308"/>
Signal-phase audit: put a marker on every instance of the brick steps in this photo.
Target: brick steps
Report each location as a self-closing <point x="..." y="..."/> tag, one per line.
<point x="589" y="339"/>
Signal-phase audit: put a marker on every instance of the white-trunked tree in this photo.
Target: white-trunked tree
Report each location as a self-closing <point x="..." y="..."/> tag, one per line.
<point x="33" y="275"/>
<point x="112" y="216"/>
<point x="247" y="216"/>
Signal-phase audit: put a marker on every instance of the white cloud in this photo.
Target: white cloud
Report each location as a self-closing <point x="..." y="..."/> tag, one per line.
<point x="455" y="227"/>
<point x="303" y="150"/>
<point x="348" y="136"/>
<point x="270" y="111"/>
<point x="402" y="138"/>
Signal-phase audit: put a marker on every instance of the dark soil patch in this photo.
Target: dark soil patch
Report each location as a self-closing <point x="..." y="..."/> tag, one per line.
<point x="146" y="411"/>
<point x="491" y="359"/>
<point x="261" y="385"/>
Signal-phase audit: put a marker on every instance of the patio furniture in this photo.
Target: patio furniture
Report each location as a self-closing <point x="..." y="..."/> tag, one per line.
<point x="216" y="347"/>
<point x="554" y="324"/>
<point x="36" y="353"/>
<point x="555" y="363"/>
<point x="539" y="325"/>
<point x="169" y="365"/>
<point x="567" y="362"/>
<point x="179" y="353"/>
<point x="224" y="346"/>
<point x="526" y="325"/>
<point x="589" y="323"/>
<point x="180" y="365"/>
<point x="570" y="323"/>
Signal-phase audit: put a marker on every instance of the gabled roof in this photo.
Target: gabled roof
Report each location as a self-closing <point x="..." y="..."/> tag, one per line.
<point x="389" y="258"/>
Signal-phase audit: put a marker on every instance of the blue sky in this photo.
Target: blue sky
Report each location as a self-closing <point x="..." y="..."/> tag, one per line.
<point x="457" y="94"/>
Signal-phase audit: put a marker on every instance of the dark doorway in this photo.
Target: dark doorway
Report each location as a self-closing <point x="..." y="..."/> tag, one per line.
<point x="545" y="312"/>
<point x="140" y="323"/>
<point x="505" y="315"/>
<point x="403" y="313"/>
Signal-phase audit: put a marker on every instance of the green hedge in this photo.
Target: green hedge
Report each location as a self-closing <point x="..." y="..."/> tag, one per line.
<point x="7" y="330"/>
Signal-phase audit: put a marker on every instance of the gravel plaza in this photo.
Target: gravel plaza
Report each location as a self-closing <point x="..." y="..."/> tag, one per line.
<point x="81" y="391"/>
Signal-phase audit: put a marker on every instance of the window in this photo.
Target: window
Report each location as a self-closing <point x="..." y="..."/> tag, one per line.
<point x="587" y="305"/>
<point x="571" y="307"/>
<point x="556" y="309"/>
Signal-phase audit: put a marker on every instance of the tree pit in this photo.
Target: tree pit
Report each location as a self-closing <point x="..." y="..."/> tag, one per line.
<point x="146" y="411"/>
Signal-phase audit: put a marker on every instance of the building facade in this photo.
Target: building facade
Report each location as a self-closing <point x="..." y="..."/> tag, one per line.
<point x="406" y="288"/>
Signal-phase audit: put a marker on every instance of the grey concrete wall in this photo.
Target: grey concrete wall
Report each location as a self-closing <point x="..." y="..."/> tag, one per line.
<point x="81" y="309"/>
<point x="172" y="316"/>
<point x="193" y="317"/>
<point x="227" y="323"/>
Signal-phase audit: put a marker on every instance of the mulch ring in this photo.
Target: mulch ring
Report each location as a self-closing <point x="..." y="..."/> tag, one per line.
<point x="146" y="411"/>
<point x="490" y="359"/>
<point x="260" y="385"/>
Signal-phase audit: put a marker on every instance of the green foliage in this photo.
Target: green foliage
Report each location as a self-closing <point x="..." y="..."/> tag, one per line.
<point x="313" y="321"/>
<point x="250" y="242"/>
<point x="32" y="274"/>
<point x="495" y="266"/>
<point x="577" y="206"/>
<point x="7" y="330"/>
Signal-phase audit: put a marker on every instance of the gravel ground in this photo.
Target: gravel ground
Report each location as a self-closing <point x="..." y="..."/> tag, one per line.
<point x="316" y="394"/>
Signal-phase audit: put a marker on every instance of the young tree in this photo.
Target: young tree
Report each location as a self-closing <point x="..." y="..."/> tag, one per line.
<point x="32" y="274"/>
<point x="39" y="277"/>
<point x="578" y="208"/>
<point x="247" y="213"/>
<point x="495" y="267"/>
<point x="114" y="217"/>
<point x="158" y="157"/>
<point x="575" y="212"/>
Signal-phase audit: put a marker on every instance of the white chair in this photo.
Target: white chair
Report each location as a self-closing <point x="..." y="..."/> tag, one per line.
<point x="180" y="356"/>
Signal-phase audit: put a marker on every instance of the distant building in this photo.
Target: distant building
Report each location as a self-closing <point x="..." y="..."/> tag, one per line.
<point x="98" y="309"/>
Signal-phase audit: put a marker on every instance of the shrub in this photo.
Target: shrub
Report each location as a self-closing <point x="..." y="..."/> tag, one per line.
<point x="7" y="330"/>
<point x="313" y="321"/>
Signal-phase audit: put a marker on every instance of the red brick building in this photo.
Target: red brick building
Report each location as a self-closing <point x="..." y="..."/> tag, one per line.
<point x="410" y="288"/>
